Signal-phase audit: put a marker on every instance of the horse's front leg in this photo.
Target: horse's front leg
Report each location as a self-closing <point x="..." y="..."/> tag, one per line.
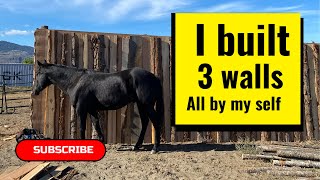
<point x="82" y="114"/>
<point x="96" y="124"/>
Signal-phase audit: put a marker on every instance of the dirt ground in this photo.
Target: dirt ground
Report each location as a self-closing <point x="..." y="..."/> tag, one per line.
<point x="175" y="161"/>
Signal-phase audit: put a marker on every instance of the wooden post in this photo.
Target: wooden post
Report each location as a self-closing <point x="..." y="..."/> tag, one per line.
<point x="315" y="49"/>
<point x="307" y="97"/>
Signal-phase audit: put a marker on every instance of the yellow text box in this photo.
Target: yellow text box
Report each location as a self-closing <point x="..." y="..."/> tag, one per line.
<point x="263" y="50"/>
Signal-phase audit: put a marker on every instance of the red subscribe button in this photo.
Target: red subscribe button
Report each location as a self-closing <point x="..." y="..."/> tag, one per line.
<point x="60" y="150"/>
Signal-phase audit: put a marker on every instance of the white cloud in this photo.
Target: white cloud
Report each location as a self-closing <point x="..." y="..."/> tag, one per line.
<point x="309" y="12"/>
<point x="112" y="11"/>
<point x="281" y="9"/>
<point x="298" y="8"/>
<point x="143" y="9"/>
<point x="161" y="8"/>
<point x="227" y="7"/>
<point x="73" y="3"/>
<point x="13" y="32"/>
<point x="23" y="6"/>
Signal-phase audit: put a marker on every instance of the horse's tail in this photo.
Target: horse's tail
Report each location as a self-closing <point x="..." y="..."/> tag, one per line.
<point x="160" y="105"/>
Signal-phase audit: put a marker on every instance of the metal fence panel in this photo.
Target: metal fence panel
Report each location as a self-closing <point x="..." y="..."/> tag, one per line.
<point x="16" y="74"/>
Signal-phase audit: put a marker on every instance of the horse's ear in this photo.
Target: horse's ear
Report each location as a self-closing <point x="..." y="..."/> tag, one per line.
<point x="39" y="63"/>
<point x="45" y="62"/>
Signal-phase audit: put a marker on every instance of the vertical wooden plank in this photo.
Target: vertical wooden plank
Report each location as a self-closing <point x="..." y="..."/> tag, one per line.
<point x="68" y="61"/>
<point x="315" y="54"/>
<point x="75" y="58"/>
<point x="165" y="54"/>
<point x="96" y="58"/>
<point x="265" y="136"/>
<point x="297" y="136"/>
<point x="107" y="70"/>
<point x="247" y="135"/>
<point x="159" y="74"/>
<point x="52" y="58"/>
<point x="153" y="47"/>
<point x="61" y="122"/>
<point x="88" y="64"/>
<point x="135" y="59"/>
<point x="219" y="137"/>
<point x="81" y="51"/>
<point x="118" y="111"/>
<point x="289" y="136"/>
<point x="233" y="136"/>
<point x="307" y="97"/>
<point x="173" y="134"/>
<point x="312" y="89"/>
<point x="280" y="136"/>
<point x="193" y="136"/>
<point x="100" y="63"/>
<point x="125" y="111"/>
<point x="38" y="102"/>
<point x="54" y="53"/>
<point x="273" y="136"/>
<point x="94" y="41"/>
<point x="50" y="105"/>
<point x="200" y="136"/>
<point x="214" y="136"/>
<point x="113" y="68"/>
<point x="253" y="136"/>
<point x="146" y="64"/>
<point x="173" y="129"/>
<point x="226" y="136"/>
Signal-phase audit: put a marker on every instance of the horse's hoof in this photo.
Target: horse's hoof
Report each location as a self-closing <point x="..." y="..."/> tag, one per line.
<point x="134" y="148"/>
<point x="154" y="151"/>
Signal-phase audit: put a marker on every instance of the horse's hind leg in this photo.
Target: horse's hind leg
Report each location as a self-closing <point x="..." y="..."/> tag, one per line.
<point x="155" y="119"/>
<point x="96" y="124"/>
<point x="144" y="124"/>
<point x="82" y="114"/>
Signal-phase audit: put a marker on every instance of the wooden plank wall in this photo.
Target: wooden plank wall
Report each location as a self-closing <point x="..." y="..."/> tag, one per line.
<point x="52" y="113"/>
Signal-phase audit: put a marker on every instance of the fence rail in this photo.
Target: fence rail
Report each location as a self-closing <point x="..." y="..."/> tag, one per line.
<point x="53" y="115"/>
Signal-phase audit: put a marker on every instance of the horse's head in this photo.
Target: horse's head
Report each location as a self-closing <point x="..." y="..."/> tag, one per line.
<point x="41" y="80"/>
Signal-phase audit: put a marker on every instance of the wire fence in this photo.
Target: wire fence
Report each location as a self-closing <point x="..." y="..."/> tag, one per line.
<point x="11" y="98"/>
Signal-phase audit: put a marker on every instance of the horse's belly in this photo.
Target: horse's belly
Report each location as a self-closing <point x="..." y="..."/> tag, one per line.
<point x="115" y="103"/>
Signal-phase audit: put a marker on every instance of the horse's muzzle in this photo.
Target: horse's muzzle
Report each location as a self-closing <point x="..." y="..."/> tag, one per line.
<point x="35" y="93"/>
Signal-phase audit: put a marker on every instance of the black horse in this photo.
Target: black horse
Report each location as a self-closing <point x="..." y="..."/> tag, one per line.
<point x="90" y="91"/>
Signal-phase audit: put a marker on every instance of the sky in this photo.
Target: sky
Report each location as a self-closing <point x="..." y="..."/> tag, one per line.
<point x="20" y="18"/>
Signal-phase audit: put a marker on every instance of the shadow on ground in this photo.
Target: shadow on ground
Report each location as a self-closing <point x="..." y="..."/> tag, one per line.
<point x="200" y="147"/>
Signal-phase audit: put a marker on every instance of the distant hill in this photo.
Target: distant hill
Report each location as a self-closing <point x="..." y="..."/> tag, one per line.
<point x="14" y="53"/>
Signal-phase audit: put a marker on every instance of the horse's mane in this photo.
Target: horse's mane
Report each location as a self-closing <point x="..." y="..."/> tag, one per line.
<point x="67" y="67"/>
